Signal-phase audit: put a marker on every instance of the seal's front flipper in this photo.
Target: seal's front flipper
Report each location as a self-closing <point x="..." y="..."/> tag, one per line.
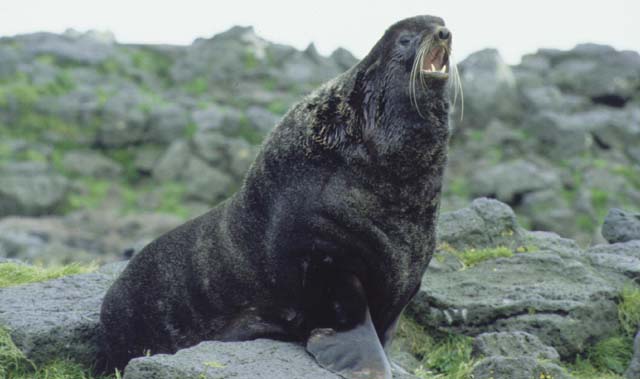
<point x="353" y="354"/>
<point x="344" y="339"/>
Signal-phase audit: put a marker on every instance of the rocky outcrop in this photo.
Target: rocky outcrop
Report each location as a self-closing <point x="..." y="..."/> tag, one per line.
<point x="545" y="287"/>
<point x="621" y="226"/>
<point x="31" y="189"/>
<point x="512" y="344"/>
<point x="252" y="359"/>
<point x="57" y="318"/>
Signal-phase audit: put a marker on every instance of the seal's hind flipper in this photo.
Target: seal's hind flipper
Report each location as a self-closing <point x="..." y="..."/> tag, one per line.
<point x="353" y="354"/>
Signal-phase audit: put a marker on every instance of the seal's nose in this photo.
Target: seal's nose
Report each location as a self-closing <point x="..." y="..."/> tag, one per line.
<point x="443" y="34"/>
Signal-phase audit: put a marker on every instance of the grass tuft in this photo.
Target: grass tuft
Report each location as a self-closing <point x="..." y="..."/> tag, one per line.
<point x="612" y="354"/>
<point x="629" y="310"/>
<point x="472" y="257"/>
<point x="445" y="357"/>
<point x="13" y="274"/>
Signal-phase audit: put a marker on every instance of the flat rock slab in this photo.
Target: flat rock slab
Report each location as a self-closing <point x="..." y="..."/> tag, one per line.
<point x="560" y="299"/>
<point x="500" y="367"/>
<point x="239" y="360"/>
<point x="57" y="318"/>
<point x="512" y="344"/>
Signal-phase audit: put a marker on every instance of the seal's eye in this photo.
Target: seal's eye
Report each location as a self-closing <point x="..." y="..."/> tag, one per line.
<point x="404" y="40"/>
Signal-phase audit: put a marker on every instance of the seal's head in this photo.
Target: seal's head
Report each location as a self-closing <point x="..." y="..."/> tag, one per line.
<point x="414" y="58"/>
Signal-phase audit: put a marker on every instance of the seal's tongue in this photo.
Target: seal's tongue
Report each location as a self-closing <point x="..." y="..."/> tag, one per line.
<point x="435" y="60"/>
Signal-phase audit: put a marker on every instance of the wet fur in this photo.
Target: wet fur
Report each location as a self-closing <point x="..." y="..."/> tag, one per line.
<point x="348" y="182"/>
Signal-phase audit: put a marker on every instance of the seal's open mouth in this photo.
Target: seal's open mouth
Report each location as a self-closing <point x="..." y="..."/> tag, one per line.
<point x="435" y="62"/>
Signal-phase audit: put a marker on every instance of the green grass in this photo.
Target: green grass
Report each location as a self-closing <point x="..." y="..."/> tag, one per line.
<point x="609" y="358"/>
<point x="584" y="369"/>
<point x="14" y="365"/>
<point x="611" y="355"/>
<point x="629" y="310"/>
<point x="250" y="61"/>
<point x="278" y="107"/>
<point x="96" y="192"/>
<point x="197" y="86"/>
<point x="472" y="257"/>
<point x="248" y="132"/>
<point x="13" y="274"/>
<point x="443" y="357"/>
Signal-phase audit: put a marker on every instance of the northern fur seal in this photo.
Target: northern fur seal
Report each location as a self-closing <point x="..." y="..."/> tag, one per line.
<point x="330" y="234"/>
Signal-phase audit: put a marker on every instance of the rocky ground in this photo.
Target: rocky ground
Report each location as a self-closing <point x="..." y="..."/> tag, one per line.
<point x="105" y="146"/>
<point x="529" y="304"/>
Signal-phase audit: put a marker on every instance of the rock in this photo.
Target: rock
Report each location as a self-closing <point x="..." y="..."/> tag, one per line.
<point x="242" y="360"/>
<point x="597" y="71"/>
<point x="549" y="210"/>
<point x="558" y="136"/>
<point x="167" y="122"/>
<point x="84" y="48"/>
<point x="85" y="236"/>
<point x="57" y="318"/>
<point x="262" y="119"/>
<point x="633" y="372"/>
<point x="343" y="58"/>
<point x="231" y="155"/>
<point x="146" y="159"/>
<point x="510" y="181"/>
<point x="559" y="299"/>
<point x="549" y="98"/>
<point x="621" y="226"/>
<point x="500" y="367"/>
<point x="169" y="166"/>
<point x="550" y="241"/>
<point x="512" y="344"/>
<point x="90" y="163"/>
<point x="206" y="183"/>
<point x="489" y="88"/>
<point x="125" y="118"/>
<point x="31" y="189"/>
<point x="486" y="223"/>
<point x="217" y="118"/>
<point x="621" y="260"/>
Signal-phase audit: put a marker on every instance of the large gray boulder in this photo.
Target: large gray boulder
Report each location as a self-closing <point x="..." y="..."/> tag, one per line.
<point x="84" y="236"/>
<point x="556" y="297"/>
<point x="596" y="70"/>
<point x="489" y="88"/>
<point x="231" y="155"/>
<point x="261" y="358"/>
<point x="167" y="122"/>
<point x="90" y="163"/>
<point x="57" y="318"/>
<point x="485" y="223"/>
<point x="500" y="367"/>
<point x="512" y="344"/>
<point x="31" y="189"/>
<point x="125" y="118"/>
<point x="620" y="261"/>
<point x="510" y="181"/>
<point x="621" y="226"/>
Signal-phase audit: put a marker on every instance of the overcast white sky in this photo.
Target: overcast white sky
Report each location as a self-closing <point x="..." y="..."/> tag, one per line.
<point x="514" y="27"/>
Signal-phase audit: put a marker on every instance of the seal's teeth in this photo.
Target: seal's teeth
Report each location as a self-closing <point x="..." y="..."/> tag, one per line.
<point x="433" y="68"/>
<point x="444" y="69"/>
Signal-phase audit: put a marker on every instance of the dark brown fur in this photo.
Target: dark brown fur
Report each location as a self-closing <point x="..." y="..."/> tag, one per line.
<point x="347" y="184"/>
